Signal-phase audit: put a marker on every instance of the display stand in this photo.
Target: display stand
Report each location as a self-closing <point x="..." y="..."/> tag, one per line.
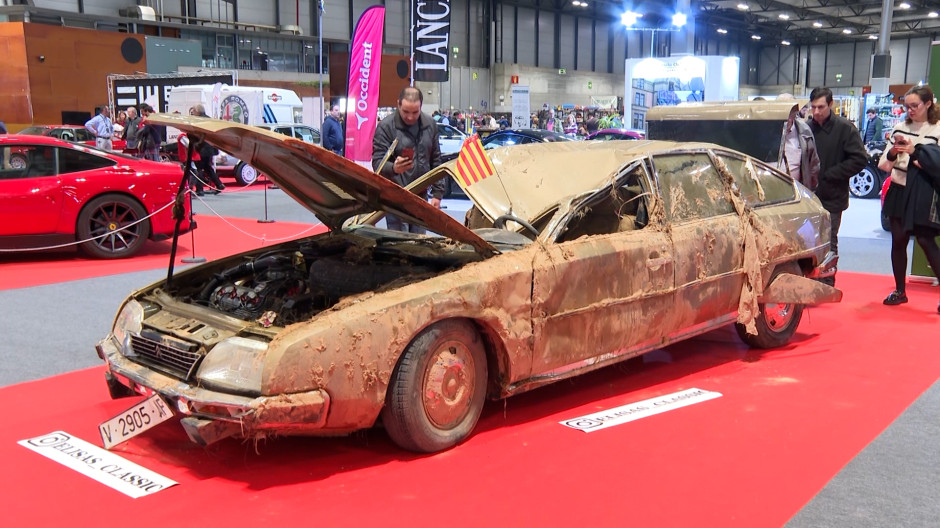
<point x="920" y="268"/>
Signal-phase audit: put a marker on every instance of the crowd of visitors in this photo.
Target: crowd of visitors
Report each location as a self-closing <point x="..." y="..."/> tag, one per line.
<point x="574" y="122"/>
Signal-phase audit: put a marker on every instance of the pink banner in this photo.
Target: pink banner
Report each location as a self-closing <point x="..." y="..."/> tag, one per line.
<point x="365" y="68"/>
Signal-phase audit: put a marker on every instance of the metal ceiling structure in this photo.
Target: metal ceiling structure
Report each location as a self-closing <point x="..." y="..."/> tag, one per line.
<point x="800" y="22"/>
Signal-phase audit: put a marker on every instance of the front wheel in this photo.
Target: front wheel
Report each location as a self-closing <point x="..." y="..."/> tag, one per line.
<point x="436" y="392"/>
<point x="110" y="217"/>
<point x="776" y="323"/>
<point x="245" y="174"/>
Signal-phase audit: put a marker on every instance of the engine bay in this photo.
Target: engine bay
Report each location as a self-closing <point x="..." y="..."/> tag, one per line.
<point x="296" y="280"/>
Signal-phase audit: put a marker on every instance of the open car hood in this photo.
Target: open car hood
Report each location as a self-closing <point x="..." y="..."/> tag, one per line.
<point x="332" y="187"/>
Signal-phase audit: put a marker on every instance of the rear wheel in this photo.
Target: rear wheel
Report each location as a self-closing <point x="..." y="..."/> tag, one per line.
<point x="110" y="217"/>
<point x="437" y="390"/>
<point x="776" y="323"/>
<point x="18" y="161"/>
<point x="245" y="174"/>
<point x="867" y="183"/>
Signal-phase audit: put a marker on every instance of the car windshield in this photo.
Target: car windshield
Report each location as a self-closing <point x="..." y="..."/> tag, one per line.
<point x="33" y="131"/>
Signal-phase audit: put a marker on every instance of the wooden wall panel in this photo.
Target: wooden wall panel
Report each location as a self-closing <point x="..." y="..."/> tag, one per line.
<point x="73" y="74"/>
<point x="15" y="109"/>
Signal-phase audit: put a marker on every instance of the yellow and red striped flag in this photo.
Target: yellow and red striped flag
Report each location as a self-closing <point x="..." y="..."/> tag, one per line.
<point x="473" y="165"/>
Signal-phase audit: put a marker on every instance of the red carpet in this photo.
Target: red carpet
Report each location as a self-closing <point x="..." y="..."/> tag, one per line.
<point x="214" y="238"/>
<point x="788" y="421"/>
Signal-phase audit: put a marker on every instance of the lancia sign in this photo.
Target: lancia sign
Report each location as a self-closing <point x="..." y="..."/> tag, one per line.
<point x="430" y="40"/>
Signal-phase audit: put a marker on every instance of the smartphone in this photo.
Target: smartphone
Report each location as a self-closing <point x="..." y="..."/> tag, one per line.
<point x="408" y="153"/>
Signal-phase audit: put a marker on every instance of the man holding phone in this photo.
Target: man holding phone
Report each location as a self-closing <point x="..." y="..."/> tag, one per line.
<point x="418" y="150"/>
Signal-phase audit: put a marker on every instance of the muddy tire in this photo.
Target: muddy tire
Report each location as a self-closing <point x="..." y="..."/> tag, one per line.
<point x="112" y="215"/>
<point x="776" y="323"/>
<point x="437" y="389"/>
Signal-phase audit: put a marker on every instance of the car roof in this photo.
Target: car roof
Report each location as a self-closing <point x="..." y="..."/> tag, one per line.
<point x="534" y="177"/>
<point x="725" y="110"/>
<point x="34" y="139"/>
<point x="536" y="133"/>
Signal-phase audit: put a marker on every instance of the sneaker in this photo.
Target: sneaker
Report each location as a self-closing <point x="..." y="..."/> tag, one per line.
<point x="200" y="193"/>
<point x="895" y="298"/>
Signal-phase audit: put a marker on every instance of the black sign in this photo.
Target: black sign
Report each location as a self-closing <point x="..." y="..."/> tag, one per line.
<point x="431" y="40"/>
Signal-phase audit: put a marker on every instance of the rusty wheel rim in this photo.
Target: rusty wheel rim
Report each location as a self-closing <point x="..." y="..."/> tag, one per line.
<point x="448" y="385"/>
<point x="778" y="316"/>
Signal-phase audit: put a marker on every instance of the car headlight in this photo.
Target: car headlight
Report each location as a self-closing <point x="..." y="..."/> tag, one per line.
<point x="234" y="365"/>
<point x="129" y="321"/>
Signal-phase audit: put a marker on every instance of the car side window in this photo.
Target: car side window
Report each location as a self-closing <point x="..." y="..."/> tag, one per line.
<point x="77" y="161"/>
<point x="502" y="141"/>
<point x="691" y="187"/>
<point x="744" y="178"/>
<point x="624" y="208"/>
<point x="304" y="134"/>
<point x="82" y="134"/>
<point x="758" y="183"/>
<point x="777" y="186"/>
<point x="283" y="130"/>
<point x="38" y="161"/>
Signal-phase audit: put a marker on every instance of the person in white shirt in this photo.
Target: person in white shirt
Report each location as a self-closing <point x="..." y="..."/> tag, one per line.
<point x="102" y="128"/>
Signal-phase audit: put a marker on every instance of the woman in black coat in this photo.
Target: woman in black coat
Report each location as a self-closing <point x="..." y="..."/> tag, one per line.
<point x="911" y="203"/>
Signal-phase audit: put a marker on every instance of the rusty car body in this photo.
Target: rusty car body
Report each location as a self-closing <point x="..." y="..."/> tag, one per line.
<point x="577" y="255"/>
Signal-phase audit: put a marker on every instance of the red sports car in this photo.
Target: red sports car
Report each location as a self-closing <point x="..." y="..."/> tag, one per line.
<point x="59" y="192"/>
<point x="76" y="133"/>
<point x="609" y="134"/>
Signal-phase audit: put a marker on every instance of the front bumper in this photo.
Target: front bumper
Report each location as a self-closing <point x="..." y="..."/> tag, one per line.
<point x="209" y="415"/>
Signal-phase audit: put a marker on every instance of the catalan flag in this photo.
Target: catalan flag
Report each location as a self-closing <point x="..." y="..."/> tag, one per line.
<point x="473" y="165"/>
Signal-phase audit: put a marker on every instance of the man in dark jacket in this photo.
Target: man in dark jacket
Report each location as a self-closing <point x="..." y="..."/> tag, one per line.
<point x="333" y="132"/>
<point x="418" y="150"/>
<point x="841" y="156"/>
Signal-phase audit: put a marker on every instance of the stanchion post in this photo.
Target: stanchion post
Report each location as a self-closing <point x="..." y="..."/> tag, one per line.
<point x="265" y="220"/>
<point x="192" y="233"/>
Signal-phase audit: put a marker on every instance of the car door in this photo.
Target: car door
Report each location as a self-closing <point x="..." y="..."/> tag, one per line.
<point x="594" y="295"/>
<point x="706" y="234"/>
<point x="450" y="138"/>
<point x="32" y="198"/>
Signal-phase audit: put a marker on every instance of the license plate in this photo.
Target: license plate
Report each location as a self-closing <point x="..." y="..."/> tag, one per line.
<point x="130" y="423"/>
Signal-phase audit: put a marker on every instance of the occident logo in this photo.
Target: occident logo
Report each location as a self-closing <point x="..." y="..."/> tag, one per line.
<point x="234" y="109"/>
<point x="362" y="104"/>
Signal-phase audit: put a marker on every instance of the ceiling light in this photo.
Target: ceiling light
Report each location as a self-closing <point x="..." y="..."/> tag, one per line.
<point x="872" y="37"/>
<point x="932" y="14"/>
<point x="579" y="3"/>
<point x="783" y="16"/>
<point x="742" y="6"/>
<point x="755" y="37"/>
<point x="629" y="18"/>
<point x="785" y="42"/>
<point x="722" y="31"/>
<point x="679" y="19"/>
<point x="817" y="24"/>
<point x="904" y="5"/>
<point x="847" y="31"/>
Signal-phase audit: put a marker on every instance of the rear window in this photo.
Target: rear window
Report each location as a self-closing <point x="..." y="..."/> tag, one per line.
<point x="758" y="139"/>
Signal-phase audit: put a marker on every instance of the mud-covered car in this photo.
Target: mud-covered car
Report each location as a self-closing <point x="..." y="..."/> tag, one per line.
<point x="554" y="276"/>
